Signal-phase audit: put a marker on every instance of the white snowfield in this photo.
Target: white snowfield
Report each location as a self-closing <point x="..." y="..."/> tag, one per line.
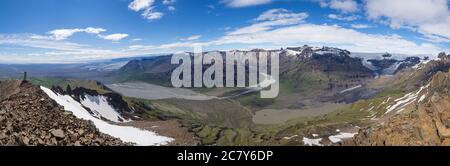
<point x="292" y="52"/>
<point x="312" y="142"/>
<point x="101" y="108"/>
<point x="409" y="98"/>
<point x="351" y="89"/>
<point x="341" y="136"/>
<point x="125" y="133"/>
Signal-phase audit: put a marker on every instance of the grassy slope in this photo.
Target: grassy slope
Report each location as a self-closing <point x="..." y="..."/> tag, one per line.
<point x="227" y="122"/>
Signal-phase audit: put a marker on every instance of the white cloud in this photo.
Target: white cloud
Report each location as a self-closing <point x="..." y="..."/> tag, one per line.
<point x="280" y="14"/>
<point x="61" y="34"/>
<point x="168" y="2"/>
<point x="343" y="18"/>
<point x="280" y="28"/>
<point x="190" y="38"/>
<point x="114" y="37"/>
<point x="149" y="9"/>
<point x="138" y="5"/>
<point x="345" y="6"/>
<point x="271" y="19"/>
<point x="94" y="30"/>
<point x="245" y="3"/>
<point x="429" y="17"/>
<point x="45" y="50"/>
<point x="151" y="15"/>
<point x="272" y="29"/>
<point x="287" y="28"/>
<point x="171" y="8"/>
<point x="360" y="26"/>
<point x="37" y="41"/>
<point x="331" y="36"/>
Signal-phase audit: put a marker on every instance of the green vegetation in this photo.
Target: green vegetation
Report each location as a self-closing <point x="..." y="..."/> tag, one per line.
<point x="229" y="122"/>
<point x="63" y="83"/>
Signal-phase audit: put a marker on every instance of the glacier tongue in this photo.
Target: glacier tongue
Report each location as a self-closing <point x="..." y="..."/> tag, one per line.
<point x="125" y="133"/>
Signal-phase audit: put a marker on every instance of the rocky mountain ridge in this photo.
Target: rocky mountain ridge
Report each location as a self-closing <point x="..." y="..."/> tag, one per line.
<point x="29" y="117"/>
<point x="421" y="117"/>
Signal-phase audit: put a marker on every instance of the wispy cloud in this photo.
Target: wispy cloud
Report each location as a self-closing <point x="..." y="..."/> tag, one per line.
<point x="361" y="26"/>
<point x="31" y="40"/>
<point x="114" y="37"/>
<point x="148" y="8"/>
<point x="190" y="38"/>
<point x="270" y="19"/>
<point x="428" y="17"/>
<point x="244" y="3"/>
<point x="280" y="27"/>
<point x="44" y="50"/>
<point x="138" y="5"/>
<point x="342" y="17"/>
<point x="171" y="8"/>
<point x="345" y="6"/>
<point x="151" y="14"/>
<point x="62" y="34"/>
<point x="170" y="4"/>
<point x="284" y="29"/>
<point x="273" y="28"/>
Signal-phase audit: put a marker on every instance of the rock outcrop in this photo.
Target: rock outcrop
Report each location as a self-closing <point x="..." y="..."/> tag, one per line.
<point x="425" y="122"/>
<point x="29" y="117"/>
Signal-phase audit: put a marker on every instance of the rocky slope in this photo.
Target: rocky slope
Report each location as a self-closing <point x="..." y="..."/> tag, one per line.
<point x="29" y="117"/>
<point x="423" y="120"/>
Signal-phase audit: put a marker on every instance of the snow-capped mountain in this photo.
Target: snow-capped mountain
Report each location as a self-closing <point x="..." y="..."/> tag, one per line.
<point x="391" y="66"/>
<point x="308" y="51"/>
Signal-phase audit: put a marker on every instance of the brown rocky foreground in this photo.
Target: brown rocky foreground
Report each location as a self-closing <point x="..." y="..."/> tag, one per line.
<point x="29" y="117"/>
<point x="425" y="123"/>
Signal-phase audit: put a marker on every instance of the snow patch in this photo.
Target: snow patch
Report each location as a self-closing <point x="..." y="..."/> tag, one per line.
<point x="125" y="133"/>
<point x="351" y="89"/>
<point x="292" y="52"/>
<point x="405" y="100"/>
<point x="422" y="98"/>
<point x="386" y="101"/>
<point x="421" y="64"/>
<point x="312" y="142"/>
<point x="101" y="108"/>
<point x="288" y="138"/>
<point x="369" y="65"/>
<point x="341" y="136"/>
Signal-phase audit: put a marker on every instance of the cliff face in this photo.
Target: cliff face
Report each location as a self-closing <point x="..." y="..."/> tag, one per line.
<point x="29" y="117"/>
<point x="426" y="121"/>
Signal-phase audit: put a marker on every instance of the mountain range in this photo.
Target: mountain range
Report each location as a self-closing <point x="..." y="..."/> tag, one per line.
<point x="327" y="97"/>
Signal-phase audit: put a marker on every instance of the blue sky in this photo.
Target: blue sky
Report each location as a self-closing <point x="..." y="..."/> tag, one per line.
<point x="64" y="31"/>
